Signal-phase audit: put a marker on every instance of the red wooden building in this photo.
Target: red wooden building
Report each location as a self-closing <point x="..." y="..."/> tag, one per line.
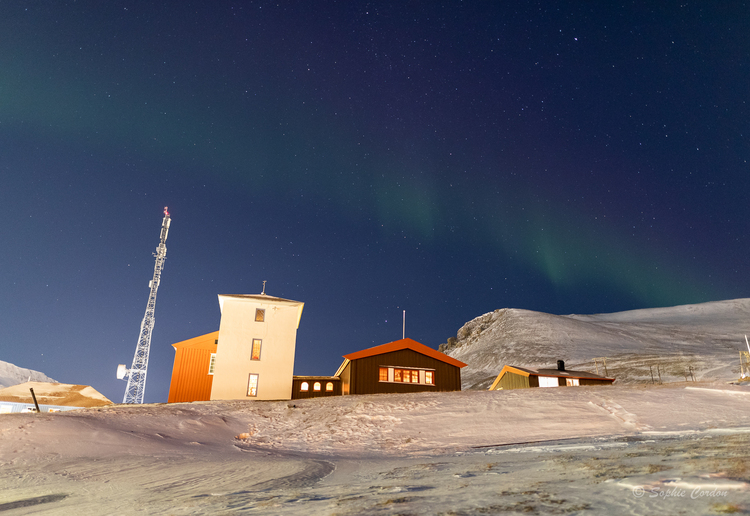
<point x="192" y="372"/>
<point x="401" y="366"/>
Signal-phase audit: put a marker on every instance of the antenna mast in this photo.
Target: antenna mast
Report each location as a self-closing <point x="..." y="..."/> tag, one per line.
<point x="136" y="375"/>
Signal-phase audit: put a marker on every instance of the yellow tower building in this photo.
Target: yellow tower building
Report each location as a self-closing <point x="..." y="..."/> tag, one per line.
<point x="255" y="353"/>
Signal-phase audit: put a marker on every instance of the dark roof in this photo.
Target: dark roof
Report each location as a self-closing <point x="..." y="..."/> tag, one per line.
<point x="569" y="374"/>
<point x="328" y="378"/>
<point x="526" y="371"/>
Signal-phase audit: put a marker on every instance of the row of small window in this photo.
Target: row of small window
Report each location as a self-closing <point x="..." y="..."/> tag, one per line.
<point x="553" y="381"/>
<point x="254" y="355"/>
<point x="304" y="386"/>
<point x="400" y="375"/>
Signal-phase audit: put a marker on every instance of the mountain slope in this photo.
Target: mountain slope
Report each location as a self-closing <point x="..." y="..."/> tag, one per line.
<point x="13" y="375"/>
<point x="702" y="339"/>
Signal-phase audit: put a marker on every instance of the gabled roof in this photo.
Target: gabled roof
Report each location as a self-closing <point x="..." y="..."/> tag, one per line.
<point x="527" y="371"/>
<point x="398" y="345"/>
<point x="207" y="341"/>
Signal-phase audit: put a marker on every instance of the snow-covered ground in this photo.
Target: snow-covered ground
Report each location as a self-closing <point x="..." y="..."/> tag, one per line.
<point x="13" y="375"/>
<point x="701" y="340"/>
<point x="678" y="448"/>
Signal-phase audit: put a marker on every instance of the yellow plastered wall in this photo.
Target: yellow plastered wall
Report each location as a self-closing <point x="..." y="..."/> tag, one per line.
<point x="237" y="329"/>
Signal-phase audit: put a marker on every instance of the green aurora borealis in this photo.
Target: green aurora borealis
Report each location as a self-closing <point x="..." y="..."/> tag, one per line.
<point x="595" y="161"/>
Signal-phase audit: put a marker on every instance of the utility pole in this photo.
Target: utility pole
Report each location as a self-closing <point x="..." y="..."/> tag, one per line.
<point x="136" y="375"/>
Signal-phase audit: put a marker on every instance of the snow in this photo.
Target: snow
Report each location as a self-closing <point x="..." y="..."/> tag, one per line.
<point x="13" y="375"/>
<point x="55" y="394"/>
<point x="612" y="449"/>
<point x="702" y="339"/>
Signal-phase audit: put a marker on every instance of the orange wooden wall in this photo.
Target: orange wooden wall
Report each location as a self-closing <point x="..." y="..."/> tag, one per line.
<point x="190" y="378"/>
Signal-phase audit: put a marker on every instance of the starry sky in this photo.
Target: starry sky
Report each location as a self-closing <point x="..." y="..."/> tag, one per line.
<point x="365" y="158"/>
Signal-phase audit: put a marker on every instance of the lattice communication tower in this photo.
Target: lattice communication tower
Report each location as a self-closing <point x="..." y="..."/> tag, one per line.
<point x="136" y="375"/>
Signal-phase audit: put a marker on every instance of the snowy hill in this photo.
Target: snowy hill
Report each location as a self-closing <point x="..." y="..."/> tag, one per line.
<point x="13" y="375"/>
<point x="669" y="342"/>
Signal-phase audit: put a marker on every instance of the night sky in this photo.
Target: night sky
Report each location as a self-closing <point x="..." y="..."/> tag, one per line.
<point x="364" y="158"/>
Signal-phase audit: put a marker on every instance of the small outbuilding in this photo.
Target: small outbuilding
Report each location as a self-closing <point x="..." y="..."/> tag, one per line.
<point x="401" y="366"/>
<point x="193" y="369"/>
<point x="315" y="387"/>
<point x="513" y="377"/>
<point x="51" y="397"/>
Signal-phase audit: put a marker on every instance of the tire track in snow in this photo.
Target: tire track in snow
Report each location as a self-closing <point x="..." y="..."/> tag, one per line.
<point x="628" y="419"/>
<point x="30" y="502"/>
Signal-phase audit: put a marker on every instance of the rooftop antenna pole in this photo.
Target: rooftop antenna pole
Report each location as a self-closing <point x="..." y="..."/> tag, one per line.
<point x="403" y="332"/>
<point x="136" y="375"/>
<point x="264" y="288"/>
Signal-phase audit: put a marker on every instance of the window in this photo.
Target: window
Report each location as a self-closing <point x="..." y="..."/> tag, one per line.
<point x="211" y="363"/>
<point x="329" y="387"/>
<point x="304" y="387"/>
<point x="252" y="385"/>
<point x="256" y="350"/>
<point x="572" y="382"/>
<point x="418" y="376"/>
<point x="548" y="381"/>
<point x="316" y="386"/>
<point x="260" y="315"/>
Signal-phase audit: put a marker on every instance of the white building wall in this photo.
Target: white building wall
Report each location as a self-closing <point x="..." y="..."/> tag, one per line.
<point x="237" y="329"/>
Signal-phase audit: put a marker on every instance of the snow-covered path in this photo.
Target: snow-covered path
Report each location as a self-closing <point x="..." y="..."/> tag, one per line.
<point x="587" y="449"/>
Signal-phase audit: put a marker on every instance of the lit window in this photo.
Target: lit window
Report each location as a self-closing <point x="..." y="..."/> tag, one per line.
<point x="256" y="350"/>
<point x="304" y="387"/>
<point x="418" y="376"/>
<point x="316" y="386"/>
<point x="383" y="374"/>
<point x="329" y="387"/>
<point x="260" y="315"/>
<point x="212" y="363"/>
<point x="252" y="385"/>
<point x="571" y="382"/>
<point x="548" y="381"/>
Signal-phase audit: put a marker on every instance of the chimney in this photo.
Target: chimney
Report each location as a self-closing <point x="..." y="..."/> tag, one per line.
<point x="560" y="365"/>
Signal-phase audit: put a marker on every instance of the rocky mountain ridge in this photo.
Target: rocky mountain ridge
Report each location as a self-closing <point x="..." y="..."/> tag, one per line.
<point x="676" y="343"/>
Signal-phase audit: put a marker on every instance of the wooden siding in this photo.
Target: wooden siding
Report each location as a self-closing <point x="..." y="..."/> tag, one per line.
<point x="346" y="379"/>
<point x="190" y="378"/>
<point x="298" y="394"/>
<point x="364" y="373"/>
<point x="511" y="381"/>
<point x="595" y="381"/>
